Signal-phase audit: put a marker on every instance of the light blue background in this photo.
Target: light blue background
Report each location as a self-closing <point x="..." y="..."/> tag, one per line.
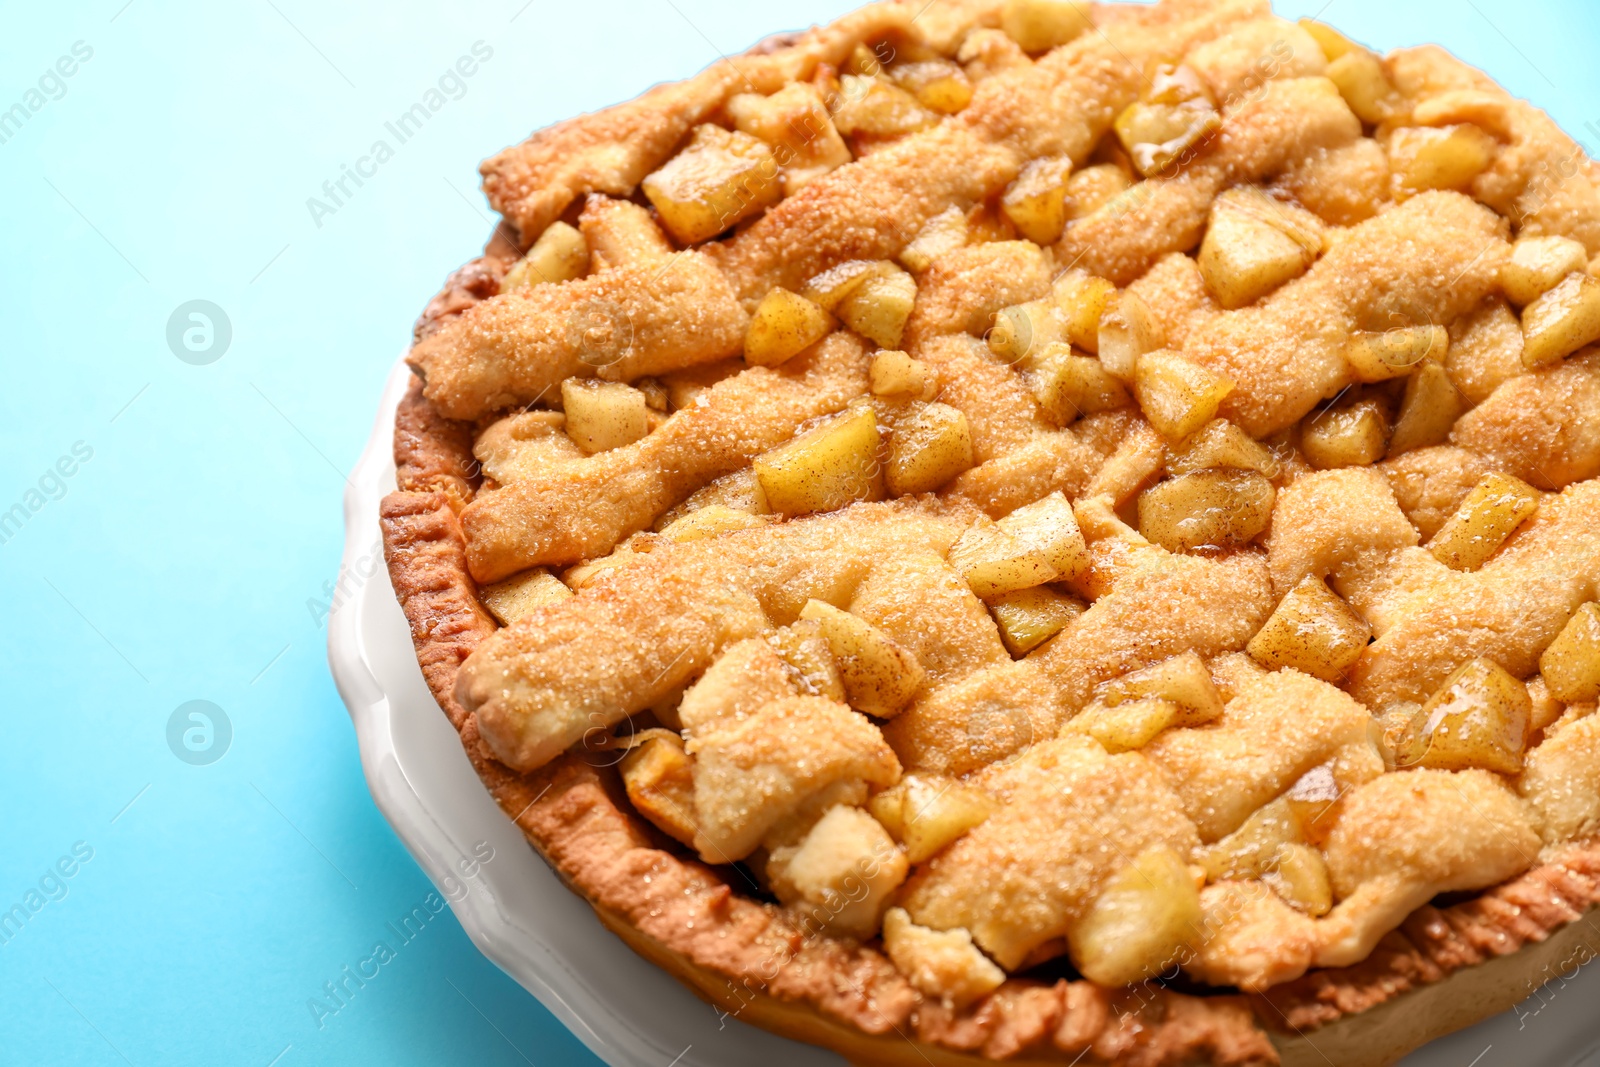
<point x="179" y="563"/>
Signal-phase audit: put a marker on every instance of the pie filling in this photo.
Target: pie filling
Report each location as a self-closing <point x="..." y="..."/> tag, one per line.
<point x="1088" y="481"/>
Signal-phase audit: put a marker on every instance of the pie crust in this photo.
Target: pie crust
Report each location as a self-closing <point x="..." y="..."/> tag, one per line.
<point x="1454" y="960"/>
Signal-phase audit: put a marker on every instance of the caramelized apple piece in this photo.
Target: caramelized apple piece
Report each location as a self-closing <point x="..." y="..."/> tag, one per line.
<point x="722" y="177"/>
<point x="945" y="232"/>
<point x="1251" y="850"/>
<point x="1127" y="331"/>
<point x="1178" y="397"/>
<point x="1036" y="202"/>
<point x="926" y="812"/>
<point x="1431" y="406"/>
<point x="1067" y="386"/>
<point x="709" y="521"/>
<point x="1028" y="618"/>
<point x="879" y="676"/>
<point x="1270" y="846"/>
<point x="1081" y="300"/>
<point x="795" y="122"/>
<point x="1561" y="321"/>
<point x="1544" y="707"/>
<point x="802" y="646"/>
<point x="1254" y="244"/>
<point x="1174" y="118"/>
<point x="1538" y="264"/>
<point x="559" y="255"/>
<point x="878" y="109"/>
<point x="1429" y="157"/>
<point x="1299" y="875"/>
<point x="1314" y="799"/>
<point x="582" y="575"/>
<point x="888" y="807"/>
<point x="784" y="325"/>
<point x="1050" y="527"/>
<point x="829" y="289"/>
<point x="1333" y="43"/>
<point x="1346" y="435"/>
<point x="932" y="443"/>
<point x="1023" y="329"/>
<point x="520" y="594"/>
<point x="1571" y="664"/>
<point x="938" y="84"/>
<point x="1221" y="444"/>
<point x="1360" y="79"/>
<point x="1040" y="25"/>
<point x="1487" y="515"/>
<point x="1313" y="631"/>
<point x="1146" y="917"/>
<point x="994" y="562"/>
<point x="1217" y="508"/>
<point x="894" y="374"/>
<point x="1379" y="356"/>
<point x="660" y="784"/>
<point x="868" y="61"/>
<point x="1127" y="727"/>
<point x="603" y="415"/>
<point x="740" y="491"/>
<point x="1181" y="679"/>
<point x="1478" y="718"/>
<point x="878" y="308"/>
<point x="655" y="393"/>
<point x="824" y="468"/>
<point x="1033" y="545"/>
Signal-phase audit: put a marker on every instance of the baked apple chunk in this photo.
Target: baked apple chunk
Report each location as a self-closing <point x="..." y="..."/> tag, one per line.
<point x="1479" y="718"/>
<point x="825" y="468"/>
<point x="1312" y="630"/>
<point x="1146" y="917"/>
<point x="1033" y="545"/>
<point x="1254" y="244"/>
<point x="721" y="178"/>
<point x="1570" y="666"/>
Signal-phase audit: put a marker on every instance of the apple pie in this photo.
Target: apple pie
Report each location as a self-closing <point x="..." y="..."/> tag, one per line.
<point x="1037" y="530"/>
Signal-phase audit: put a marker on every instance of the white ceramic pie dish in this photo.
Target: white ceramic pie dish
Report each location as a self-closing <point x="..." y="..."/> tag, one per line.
<point x="519" y="914"/>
